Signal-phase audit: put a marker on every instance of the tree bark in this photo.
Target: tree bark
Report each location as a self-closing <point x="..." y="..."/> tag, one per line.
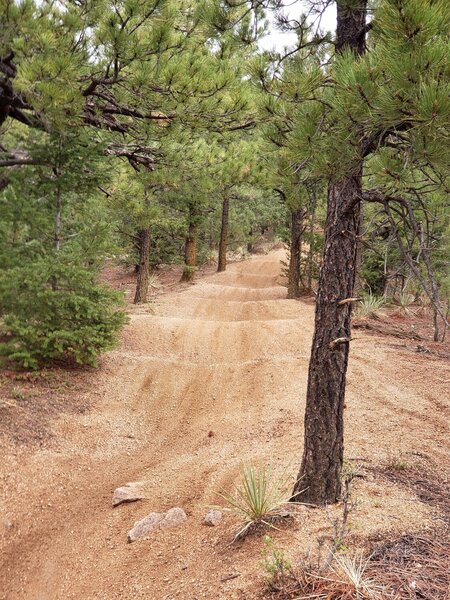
<point x="359" y="281"/>
<point x="310" y="258"/>
<point x="58" y="210"/>
<point x="190" y="253"/>
<point x="319" y="479"/>
<point x="222" y="261"/>
<point x="143" y="243"/>
<point x="250" y="243"/>
<point x="320" y="473"/>
<point x="295" y="253"/>
<point x="57" y="228"/>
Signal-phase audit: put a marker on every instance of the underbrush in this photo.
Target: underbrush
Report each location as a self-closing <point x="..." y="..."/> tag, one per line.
<point x="410" y="566"/>
<point x="413" y="567"/>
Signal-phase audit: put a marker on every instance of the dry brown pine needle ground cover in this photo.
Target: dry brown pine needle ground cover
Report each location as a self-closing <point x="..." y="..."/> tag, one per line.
<point x="412" y="566"/>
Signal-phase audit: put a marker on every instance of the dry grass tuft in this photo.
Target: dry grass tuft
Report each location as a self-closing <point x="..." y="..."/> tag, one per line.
<point x="346" y="579"/>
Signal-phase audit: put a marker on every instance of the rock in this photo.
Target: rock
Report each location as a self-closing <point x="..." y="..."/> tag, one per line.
<point x="212" y="518"/>
<point x="145" y="526"/>
<point x="172" y="518"/>
<point x="131" y="492"/>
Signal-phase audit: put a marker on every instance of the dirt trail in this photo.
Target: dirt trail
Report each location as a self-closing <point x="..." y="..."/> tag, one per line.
<point x="214" y="376"/>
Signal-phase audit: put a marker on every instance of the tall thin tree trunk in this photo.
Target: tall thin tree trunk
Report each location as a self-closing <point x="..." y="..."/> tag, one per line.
<point x="250" y="243"/>
<point x="190" y="253"/>
<point x="295" y="253"/>
<point x="434" y="287"/>
<point x="57" y="228"/>
<point x="222" y="261"/>
<point x="320" y="473"/>
<point x="58" y="210"/>
<point x="359" y="281"/>
<point x="430" y="287"/>
<point x="143" y="243"/>
<point x="319" y="479"/>
<point x="310" y="258"/>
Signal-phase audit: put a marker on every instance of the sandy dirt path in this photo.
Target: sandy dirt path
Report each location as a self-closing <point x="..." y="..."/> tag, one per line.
<point x="213" y="376"/>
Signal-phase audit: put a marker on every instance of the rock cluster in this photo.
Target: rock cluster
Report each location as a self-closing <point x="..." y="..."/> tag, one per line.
<point x="172" y="518"/>
<point x="131" y="492"/>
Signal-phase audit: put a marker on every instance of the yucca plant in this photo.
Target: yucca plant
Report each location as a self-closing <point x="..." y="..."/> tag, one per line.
<point x="405" y="300"/>
<point x="369" y="306"/>
<point x="153" y="282"/>
<point x="258" y="498"/>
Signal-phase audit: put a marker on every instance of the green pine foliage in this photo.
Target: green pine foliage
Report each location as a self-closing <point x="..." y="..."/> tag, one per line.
<point x="149" y="114"/>
<point x="52" y="309"/>
<point x="52" y="306"/>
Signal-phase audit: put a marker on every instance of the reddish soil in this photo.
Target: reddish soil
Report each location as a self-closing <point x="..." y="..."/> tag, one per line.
<point x="205" y="378"/>
<point x="167" y="276"/>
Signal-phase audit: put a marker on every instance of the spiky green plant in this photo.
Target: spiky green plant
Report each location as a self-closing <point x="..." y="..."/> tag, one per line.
<point x="153" y="282"/>
<point x="405" y="300"/>
<point x="258" y="498"/>
<point x="369" y="306"/>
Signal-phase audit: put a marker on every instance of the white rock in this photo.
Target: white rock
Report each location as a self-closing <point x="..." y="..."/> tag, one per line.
<point x="212" y="518"/>
<point x="172" y="518"/>
<point x="145" y="526"/>
<point x="131" y="492"/>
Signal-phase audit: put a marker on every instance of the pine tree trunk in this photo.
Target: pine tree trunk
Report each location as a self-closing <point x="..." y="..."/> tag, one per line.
<point x="295" y="253"/>
<point x="250" y="243"/>
<point x="310" y="259"/>
<point x="359" y="281"/>
<point x="57" y="228"/>
<point x="222" y="262"/>
<point x="58" y="210"/>
<point x="319" y="479"/>
<point x="143" y="244"/>
<point x="320" y="472"/>
<point x="190" y="253"/>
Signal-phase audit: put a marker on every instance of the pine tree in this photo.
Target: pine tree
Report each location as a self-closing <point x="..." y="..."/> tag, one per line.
<point x="51" y="302"/>
<point x="388" y="103"/>
<point x="387" y="106"/>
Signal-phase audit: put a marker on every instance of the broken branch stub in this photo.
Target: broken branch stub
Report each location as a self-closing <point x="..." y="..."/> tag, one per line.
<point x="348" y="301"/>
<point x="338" y="341"/>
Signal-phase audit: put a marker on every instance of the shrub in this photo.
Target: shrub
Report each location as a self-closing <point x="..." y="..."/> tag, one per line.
<point x="275" y="564"/>
<point x="54" y="310"/>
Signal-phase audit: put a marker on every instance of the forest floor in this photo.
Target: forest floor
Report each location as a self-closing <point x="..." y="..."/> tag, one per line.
<point x="206" y="377"/>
